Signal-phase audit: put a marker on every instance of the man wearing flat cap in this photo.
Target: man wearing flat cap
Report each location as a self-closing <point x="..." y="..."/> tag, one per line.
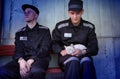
<point x="32" y="42"/>
<point x="74" y="40"/>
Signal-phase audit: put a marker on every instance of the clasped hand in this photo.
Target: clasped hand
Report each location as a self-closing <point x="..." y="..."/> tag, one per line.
<point x="25" y="67"/>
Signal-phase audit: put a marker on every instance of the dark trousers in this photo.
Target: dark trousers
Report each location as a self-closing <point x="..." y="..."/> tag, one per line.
<point x="11" y="70"/>
<point x="75" y="70"/>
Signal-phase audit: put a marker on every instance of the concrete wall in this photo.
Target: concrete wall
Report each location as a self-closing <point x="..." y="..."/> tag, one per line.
<point x="103" y="13"/>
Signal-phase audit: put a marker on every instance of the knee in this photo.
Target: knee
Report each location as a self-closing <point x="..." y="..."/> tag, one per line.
<point x="6" y="73"/>
<point x="2" y="71"/>
<point x="37" y="72"/>
<point x="88" y="69"/>
<point x="86" y="60"/>
<point x="87" y="63"/>
<point x="72" y="64"/>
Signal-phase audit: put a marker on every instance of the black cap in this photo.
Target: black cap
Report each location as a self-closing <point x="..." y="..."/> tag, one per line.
<point x="24" y="6"/>
<point x="75" y="5"/>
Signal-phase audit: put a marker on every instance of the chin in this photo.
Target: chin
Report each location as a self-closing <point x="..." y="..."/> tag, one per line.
<point x="75" y="22"/>
<point x="27" y="20"/>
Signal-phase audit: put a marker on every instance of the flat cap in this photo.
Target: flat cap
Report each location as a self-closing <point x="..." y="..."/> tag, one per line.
<point x="75" y="5"/>
<point x="24" y="6"/>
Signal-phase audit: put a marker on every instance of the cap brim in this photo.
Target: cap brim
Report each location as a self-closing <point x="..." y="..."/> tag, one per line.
<point x="30" y="6"/>
<point x="75" y="9"/>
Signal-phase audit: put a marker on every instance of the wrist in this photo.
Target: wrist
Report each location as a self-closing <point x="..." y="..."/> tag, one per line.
<point x="30" y="61"/>
<point x="63" y="52"/>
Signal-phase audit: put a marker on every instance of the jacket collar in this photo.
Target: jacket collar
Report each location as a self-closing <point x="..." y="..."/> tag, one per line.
<point x="79" y="26"/>
<point x="34" y="28"/>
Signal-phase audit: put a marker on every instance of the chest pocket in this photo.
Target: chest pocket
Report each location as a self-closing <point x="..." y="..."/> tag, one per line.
<point x="67" y="35"/>
<point x="23" y="38"/>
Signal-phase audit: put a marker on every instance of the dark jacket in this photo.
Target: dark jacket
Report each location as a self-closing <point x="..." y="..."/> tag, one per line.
<point x="32" y="43"/>
<point x="65" y="34"/>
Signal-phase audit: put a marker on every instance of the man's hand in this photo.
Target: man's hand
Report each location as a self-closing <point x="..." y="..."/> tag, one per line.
<point x="63" y="52"/>
<point x="79" y="52"/>
<point x="29" y="62"/>
<point x="24" y="67"/>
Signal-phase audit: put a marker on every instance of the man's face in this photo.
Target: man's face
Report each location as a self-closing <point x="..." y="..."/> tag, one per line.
<point x="75" y="16"/>
<point x="30" y="15"/>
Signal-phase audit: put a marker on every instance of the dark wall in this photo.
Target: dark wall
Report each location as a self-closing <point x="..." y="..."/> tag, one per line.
<point x="1" y="6"/>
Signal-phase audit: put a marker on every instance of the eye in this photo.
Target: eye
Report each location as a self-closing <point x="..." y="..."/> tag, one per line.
<point x="72" y="13"/>
<point x="28" y="12"/>
<point x="77" y="13"/>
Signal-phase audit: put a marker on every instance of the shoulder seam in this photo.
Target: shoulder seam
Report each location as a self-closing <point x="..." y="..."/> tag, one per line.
<point x="43" y="27"/>
<point x="88" y="25"/>
<point x="22" y="29"/>
<point x="63" y="25"/>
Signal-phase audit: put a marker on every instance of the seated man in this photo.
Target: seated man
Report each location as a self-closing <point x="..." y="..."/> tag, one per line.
<point x="32" y="42"/>
<point x="75" y="42"/>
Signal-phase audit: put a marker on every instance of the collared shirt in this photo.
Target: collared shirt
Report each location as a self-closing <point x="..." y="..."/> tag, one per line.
<point x="32" y="43"/>
<point x="65" y="33"/>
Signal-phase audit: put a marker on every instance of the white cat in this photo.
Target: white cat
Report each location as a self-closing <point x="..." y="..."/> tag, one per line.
<point x="80" y="46"/>
<point x="70" y="49"/>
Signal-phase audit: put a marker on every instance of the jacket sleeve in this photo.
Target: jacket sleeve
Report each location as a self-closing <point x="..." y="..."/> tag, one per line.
<point x="56" y="41"/>
<point x="19" y="48"/>
<point x="43" y="49"/>
<point x="92" y="46"/>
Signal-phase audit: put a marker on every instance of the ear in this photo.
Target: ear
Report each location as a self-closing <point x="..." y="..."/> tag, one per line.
<point x="69" y="13"/>
<point x="82" y="11"/>
<point x="36" y="16"/>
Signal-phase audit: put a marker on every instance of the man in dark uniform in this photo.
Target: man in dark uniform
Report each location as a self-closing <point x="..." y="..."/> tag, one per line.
<point x="31" y="58"/>
<point x="76" y="31"/>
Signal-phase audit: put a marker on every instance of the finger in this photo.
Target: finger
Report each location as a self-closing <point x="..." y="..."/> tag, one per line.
<point x="28" y="66"/>
<point x="63" y="54"/>
<point x="24" y="70"/>
<point x="23" y="74"/>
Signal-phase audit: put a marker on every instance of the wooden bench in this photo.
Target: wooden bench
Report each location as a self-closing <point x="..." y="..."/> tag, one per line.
<point x="8" y="50"/>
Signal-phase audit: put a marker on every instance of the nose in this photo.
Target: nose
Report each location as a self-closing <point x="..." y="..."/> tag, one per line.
<point x="25" y="13"/>
<point x="74" y="15"/>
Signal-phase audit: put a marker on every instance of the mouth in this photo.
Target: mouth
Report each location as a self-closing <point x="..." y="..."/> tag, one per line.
<point x="75" y="20"/>
<point x="26" y="17"/>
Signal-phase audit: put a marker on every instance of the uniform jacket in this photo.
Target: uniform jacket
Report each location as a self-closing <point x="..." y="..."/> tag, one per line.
<point x="32" y="43"/>
<point x="65" y="34"/>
